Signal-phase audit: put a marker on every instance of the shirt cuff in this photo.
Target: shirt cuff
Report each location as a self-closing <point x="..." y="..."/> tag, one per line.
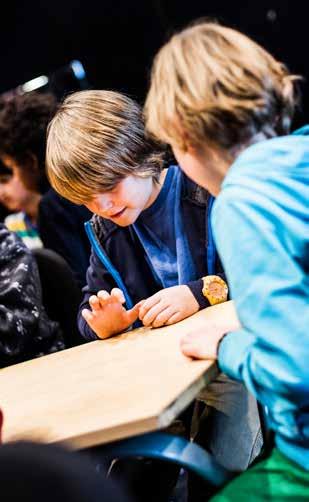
<point x="232" y="352"/>
<point x="196" y="288"/>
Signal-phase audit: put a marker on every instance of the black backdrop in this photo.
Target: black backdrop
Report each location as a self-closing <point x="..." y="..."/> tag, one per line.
<point x="116" y="40"/>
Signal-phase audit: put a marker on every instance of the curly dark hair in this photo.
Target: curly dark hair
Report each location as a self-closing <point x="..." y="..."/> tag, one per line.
<point x="23" y="124"/>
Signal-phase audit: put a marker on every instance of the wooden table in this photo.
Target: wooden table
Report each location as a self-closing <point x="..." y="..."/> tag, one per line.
<point x="104" y="390"/>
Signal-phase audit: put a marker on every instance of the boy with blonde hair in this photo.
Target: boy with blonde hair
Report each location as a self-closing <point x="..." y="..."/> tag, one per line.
<point x="148" y="217"/>
<point x="225" y="106"/>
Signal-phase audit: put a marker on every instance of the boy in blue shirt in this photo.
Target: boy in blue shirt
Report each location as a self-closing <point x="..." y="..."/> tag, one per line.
<point x="225" y="106"/>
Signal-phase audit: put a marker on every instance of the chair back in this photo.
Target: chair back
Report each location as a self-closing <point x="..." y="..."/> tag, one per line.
<point x="61" y="294"/>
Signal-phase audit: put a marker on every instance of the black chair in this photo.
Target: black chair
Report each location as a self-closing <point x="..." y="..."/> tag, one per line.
<point x="61" y="294"/>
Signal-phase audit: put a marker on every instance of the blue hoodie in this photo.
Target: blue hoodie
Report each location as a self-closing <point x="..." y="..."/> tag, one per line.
<point x="261" y="228"/>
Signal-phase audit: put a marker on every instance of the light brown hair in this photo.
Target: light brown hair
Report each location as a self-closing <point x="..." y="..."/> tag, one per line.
<point x="213" y="84"/>
<point x="95" y="140"/>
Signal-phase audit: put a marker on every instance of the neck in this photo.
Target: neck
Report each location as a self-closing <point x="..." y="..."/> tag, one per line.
<point x="32" y="208"/>
<point x="230" y="156"/>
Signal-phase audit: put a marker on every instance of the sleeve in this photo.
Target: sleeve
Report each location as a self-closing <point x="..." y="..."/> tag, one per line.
<point x="256" y="236"/>
<point x="97" y="278"/>
<point x="196" y="289"/>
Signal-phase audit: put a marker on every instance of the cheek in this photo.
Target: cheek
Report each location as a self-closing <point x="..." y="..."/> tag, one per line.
<point x="18" y="189"/>
<point x="127" y="196"/>
<point x="12" y="188"/>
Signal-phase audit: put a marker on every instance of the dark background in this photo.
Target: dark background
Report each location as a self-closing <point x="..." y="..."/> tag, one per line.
<point x="116" y="40"/>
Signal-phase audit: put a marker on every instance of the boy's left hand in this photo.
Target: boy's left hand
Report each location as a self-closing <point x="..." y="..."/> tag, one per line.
<point x="168" y="306"/>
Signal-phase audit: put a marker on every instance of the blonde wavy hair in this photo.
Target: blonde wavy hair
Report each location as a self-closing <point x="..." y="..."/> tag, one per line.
<point x="95" y="140"/>
<point x="210" y="83"/>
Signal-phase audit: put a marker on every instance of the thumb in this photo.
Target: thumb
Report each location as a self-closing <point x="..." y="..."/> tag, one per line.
<point x="132" y="314"/>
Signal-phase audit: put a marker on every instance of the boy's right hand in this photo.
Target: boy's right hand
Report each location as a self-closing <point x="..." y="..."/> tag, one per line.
<point x="107" y="316"/>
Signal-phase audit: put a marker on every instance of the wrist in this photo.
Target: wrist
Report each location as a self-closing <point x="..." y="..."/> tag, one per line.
<point x="190" y="300"/>
<point x="219" y="344"/>
<point x="196" y="288"/>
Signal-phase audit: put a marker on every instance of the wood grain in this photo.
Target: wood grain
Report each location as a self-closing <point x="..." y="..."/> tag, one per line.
<point x="104" y="390"/>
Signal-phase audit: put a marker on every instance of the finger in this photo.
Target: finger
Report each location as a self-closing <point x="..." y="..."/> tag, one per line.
<point x="163" y="317"/>
<point x="173" y="319"/>
<point x="147" y="305"/>
<point x="117" y="293"/>
<point x="132" y="314"/>
<point x="104" y="297"/>
<point x="140" y="303"/>
<point x="193" y="347"/>
<point x="150" y="316"/>
<point x="88" y="316"/>
<point x="94" y="302"/>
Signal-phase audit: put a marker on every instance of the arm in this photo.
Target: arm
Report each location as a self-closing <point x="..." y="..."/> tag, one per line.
<point x="271" y="293"/>
<point x="24" y="327"/>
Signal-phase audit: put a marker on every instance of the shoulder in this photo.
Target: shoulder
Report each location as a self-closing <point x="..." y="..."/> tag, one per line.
<point x="11" y="246"/>
<point x="15" y="222"/>
<point x="190" y="190"/>
<point x="270" y="176"/>
<point x="283" y="157"/>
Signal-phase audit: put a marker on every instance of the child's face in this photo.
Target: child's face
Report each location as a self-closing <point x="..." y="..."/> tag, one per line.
<point x="13" y="193"/>
<point x="204" y="166"/>
<point x="124" y="204"/>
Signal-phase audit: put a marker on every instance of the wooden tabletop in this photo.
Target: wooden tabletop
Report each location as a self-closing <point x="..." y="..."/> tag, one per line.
<point x="103" y="390"/>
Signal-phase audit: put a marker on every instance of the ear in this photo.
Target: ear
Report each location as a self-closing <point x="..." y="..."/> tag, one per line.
<point x="192" y="149"/>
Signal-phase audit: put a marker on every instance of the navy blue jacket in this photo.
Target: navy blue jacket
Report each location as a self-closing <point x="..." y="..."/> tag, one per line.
<point x="61" y="228"/>
<point x="118" y="258"/>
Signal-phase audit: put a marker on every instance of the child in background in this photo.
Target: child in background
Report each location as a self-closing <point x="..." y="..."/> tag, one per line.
<point x="40" y="217"/>
<point x="148" y="219"/>
<point x="225" y="106"/>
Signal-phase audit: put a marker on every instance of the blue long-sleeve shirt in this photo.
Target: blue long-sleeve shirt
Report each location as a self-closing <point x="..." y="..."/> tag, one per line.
<point x="261" y="228"/>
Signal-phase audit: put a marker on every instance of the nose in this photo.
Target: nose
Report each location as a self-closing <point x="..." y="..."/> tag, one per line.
<point x="103" y="204"/>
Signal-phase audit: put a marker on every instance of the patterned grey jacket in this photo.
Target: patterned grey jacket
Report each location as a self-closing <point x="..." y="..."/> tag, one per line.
<point x="25" y="330"/>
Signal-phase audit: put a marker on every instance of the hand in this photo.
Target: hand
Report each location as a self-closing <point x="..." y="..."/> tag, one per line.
<point x="215" y="322"/>
<point x="201" y="344"/>
<point x="107" y="316"/>
<point x="168" y="306"/>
